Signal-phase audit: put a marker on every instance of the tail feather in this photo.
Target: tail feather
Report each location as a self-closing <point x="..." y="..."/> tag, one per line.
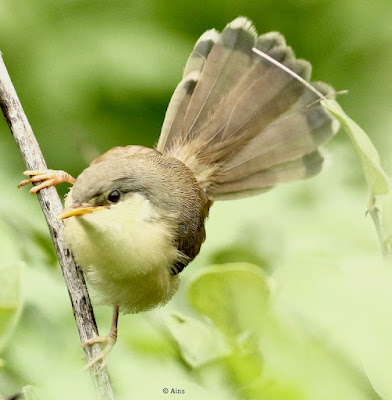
<point x="300" y="168"/>
<point x="177" y="108"/>
<point x="241" y="123"/>
<point x="294" y="134"/>
<point x="251" y="115"/>
<point x="182" y="95"/>
<point x="228" y="60"/>
<point x="267" y="41"/>
<point x="200" y="52"/>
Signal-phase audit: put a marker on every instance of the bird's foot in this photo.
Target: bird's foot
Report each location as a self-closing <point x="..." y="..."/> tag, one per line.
<point x="47" y="177"/>
<point x="103" y="356"/>
<point x="110" y="340"/>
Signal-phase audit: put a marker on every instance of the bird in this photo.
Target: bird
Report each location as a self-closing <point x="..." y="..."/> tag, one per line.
<point x="236" y="126"/>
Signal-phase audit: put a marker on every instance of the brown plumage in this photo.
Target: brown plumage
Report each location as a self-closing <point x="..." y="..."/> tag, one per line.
<point x="236" y="126"/>
<point x="167" y="183"/>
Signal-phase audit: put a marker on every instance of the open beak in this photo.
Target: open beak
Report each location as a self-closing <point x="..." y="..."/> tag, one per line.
<point x="82" y="209"/>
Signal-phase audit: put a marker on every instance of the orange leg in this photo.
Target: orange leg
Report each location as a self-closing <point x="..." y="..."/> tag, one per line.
<point x="47" y="177"/>
<point x="109" y="341"/>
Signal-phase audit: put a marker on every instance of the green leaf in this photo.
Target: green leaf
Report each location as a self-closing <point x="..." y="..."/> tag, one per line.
<point x="376" y="177"/>
<point x="10" y="300"/>
<point x="386" y="219"/>
<point x="245" y="368"/>
<point x="199" y="343"/>
<point x="234" y="296"/>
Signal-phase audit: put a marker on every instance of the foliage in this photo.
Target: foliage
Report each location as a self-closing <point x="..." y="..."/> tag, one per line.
<point x="10" y="300"/>
<point x="376" y="178"/>
<point x="299" y="305"/>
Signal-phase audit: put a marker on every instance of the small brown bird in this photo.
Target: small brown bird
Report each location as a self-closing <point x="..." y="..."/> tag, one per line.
<point x="236" y="126"/>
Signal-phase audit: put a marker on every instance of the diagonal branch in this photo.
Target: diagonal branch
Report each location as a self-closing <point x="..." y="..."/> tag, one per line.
<point x="52" y="207"/>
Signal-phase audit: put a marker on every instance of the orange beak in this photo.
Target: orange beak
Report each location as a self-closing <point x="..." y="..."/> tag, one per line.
<point x="76" y="210"/>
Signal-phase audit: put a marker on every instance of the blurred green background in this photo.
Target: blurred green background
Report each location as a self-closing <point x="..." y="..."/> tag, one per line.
<point x="308" y="318"/>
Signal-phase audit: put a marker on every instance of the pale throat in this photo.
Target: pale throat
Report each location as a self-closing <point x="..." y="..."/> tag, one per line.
<point x="122" y="241"/>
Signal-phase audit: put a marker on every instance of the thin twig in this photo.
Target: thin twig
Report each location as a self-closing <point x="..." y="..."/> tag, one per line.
<point x="52" y="207"/>
<point x="374" y="212"/>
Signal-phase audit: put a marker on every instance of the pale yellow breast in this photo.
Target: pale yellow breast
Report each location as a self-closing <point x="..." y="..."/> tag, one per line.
<point x="126" y="252"/>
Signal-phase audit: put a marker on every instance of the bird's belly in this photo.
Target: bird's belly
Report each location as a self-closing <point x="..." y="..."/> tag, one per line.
<point x="127" y="262"/>
<point x="132" y="294"/>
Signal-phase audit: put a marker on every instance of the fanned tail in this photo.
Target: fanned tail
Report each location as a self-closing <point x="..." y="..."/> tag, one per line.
<point x="241" y="123"/>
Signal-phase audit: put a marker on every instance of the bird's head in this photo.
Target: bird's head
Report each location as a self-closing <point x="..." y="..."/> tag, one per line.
<point x="114" y="182"/>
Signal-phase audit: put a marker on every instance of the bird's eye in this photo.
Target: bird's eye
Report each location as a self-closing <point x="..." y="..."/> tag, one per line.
<point x="114" y="196"/>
